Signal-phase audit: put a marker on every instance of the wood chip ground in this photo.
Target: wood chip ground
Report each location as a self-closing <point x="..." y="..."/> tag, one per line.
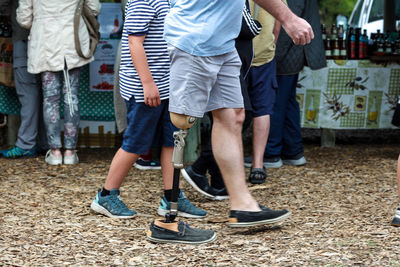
<point x="342" y="202"/>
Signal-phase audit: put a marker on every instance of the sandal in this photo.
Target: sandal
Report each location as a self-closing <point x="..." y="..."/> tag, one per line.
<point x="257" y="175"/>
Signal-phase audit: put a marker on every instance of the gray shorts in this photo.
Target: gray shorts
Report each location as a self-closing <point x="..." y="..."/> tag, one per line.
<point x="201" y="84"/>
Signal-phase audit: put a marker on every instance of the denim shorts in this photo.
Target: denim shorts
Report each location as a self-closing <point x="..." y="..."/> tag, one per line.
<point x="148" y="127"/>
<point x="262" y="88"/>
<point x="199" y="84"/>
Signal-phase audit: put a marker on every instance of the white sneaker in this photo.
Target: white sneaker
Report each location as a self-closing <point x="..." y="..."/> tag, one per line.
<point x="73" y="159"/>
<point x="51" y="159"/>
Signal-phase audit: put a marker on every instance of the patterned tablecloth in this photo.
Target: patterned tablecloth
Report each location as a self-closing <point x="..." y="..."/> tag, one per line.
<point x="349" y="94"/>
<point x="95" y="106"/>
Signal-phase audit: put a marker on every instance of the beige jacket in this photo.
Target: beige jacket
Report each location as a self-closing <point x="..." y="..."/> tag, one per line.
<point x="51" y="39"/>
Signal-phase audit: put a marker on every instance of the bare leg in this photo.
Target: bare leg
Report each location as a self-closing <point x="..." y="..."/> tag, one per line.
<point x="228" y="151"/>
<point x="167" y="168"/>
<point x="260" y="136"/>
<point x="120" y="166"/>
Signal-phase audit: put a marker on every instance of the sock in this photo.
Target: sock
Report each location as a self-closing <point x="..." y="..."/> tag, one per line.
<point x="104" y="192"/>
<point x="168" y="194"/>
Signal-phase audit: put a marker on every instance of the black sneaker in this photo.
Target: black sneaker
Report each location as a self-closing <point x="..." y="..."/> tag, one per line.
<point x="238" y="218"/>
<point x="221" y="194"/>
<point x="296" y="160"/>
<point x="200" y="184"/>
<point x="257" y="175"/>
<point x="142" y="164"/>
<point x="178" y="232"/>
<point x="272" y="162"/>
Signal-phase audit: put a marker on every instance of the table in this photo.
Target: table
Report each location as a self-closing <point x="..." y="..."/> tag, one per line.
<point x="349" y="94"/>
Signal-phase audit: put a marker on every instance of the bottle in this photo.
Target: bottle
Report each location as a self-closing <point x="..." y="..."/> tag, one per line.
<point x="380" y="49"/>
<point x="353" y="46"/>
<point x="333" y="32"/>
<point x="357" y="42"/>
<point x="371" y="44"/>
<point x="350" y="32"/>
<point x="336" y="49"/>
<point x="323" y="31"/>
<point x="340" y="32"/>
<point x="311" y="113"/>
<point x="328" y="49"/>
<point x="365" y="44"/>
<point x="361" y="47"/>
<point x="388" y="44"/>
<point x="343" y="49"/>
<point x="373" y="114"/>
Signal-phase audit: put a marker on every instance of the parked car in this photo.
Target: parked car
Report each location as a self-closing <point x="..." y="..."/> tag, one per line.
<point x="368" y="15"/>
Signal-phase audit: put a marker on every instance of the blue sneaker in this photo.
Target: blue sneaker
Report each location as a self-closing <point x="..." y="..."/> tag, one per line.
<point x="185" y="208"/>
<point x="17" y="152"/>
<point x="112" y="205"/>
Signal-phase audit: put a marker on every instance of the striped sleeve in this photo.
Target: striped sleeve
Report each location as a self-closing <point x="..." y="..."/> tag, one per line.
<point x="139" y="14"/>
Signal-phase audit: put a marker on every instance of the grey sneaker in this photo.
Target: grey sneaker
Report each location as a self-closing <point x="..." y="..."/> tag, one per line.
<point x="296" y="160"/>
<point x="112" y="205"/>
<point x="185" y="208"/>
<point x="273" y="162"/>
<point x="178" y="232"/>
<point x="396" y="218"/>
<point x="248" y="161"/>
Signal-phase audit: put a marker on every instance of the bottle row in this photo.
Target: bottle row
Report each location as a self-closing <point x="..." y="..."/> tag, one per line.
<point x="354" y="44"/>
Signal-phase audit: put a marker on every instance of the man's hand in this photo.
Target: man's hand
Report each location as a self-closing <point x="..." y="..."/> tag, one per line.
<point x="151" y="94"/>
<point x="299" y="30"/>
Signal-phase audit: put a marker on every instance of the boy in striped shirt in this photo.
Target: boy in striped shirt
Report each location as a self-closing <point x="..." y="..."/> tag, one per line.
<point x="144" y="84"/>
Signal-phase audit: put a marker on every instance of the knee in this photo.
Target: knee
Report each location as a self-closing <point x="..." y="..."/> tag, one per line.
<point x="232" y="118"/>
<point x="240" y="116"/>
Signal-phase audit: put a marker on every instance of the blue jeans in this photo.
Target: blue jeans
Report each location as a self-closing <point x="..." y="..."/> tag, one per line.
<point x="285" y="133"/>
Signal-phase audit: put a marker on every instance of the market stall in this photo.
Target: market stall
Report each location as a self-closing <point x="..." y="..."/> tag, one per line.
<point x="349" y="94"/>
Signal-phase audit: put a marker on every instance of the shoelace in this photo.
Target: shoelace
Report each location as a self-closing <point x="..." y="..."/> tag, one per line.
<point x="117" y="203"/>
<point x="186" y="204"/>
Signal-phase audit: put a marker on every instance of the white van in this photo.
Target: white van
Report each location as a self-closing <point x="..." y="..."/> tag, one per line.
<point x="368" y="15"/>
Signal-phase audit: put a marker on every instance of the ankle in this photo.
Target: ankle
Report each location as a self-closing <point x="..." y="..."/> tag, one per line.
<point x="56" y="152"/>
<point x="245" y="206"/>
<point x="68" y="152"/>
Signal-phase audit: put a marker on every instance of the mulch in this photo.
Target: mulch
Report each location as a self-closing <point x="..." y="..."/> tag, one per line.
<point x="342" y="203"/>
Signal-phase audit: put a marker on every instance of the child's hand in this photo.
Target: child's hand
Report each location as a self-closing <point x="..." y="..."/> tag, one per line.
<point x="151" y="95"/>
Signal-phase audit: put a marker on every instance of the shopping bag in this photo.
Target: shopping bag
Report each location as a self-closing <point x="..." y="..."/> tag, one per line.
<point x="6" y="62"/>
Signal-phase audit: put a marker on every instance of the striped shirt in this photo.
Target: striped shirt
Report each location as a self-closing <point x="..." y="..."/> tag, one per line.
<point x="145" y="17"/>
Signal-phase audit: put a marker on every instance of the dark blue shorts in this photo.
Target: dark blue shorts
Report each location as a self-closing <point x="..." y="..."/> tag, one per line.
<point x="148" y="127"/>
<point x="262" y="88"/>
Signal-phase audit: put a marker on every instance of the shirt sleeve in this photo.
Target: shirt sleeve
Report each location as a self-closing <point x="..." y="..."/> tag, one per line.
<point x="139" y="14"/>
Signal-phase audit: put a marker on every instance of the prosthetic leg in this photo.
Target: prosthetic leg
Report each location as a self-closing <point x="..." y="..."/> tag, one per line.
<point x="183" y="122"/>
<point x="169" y="230"/>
